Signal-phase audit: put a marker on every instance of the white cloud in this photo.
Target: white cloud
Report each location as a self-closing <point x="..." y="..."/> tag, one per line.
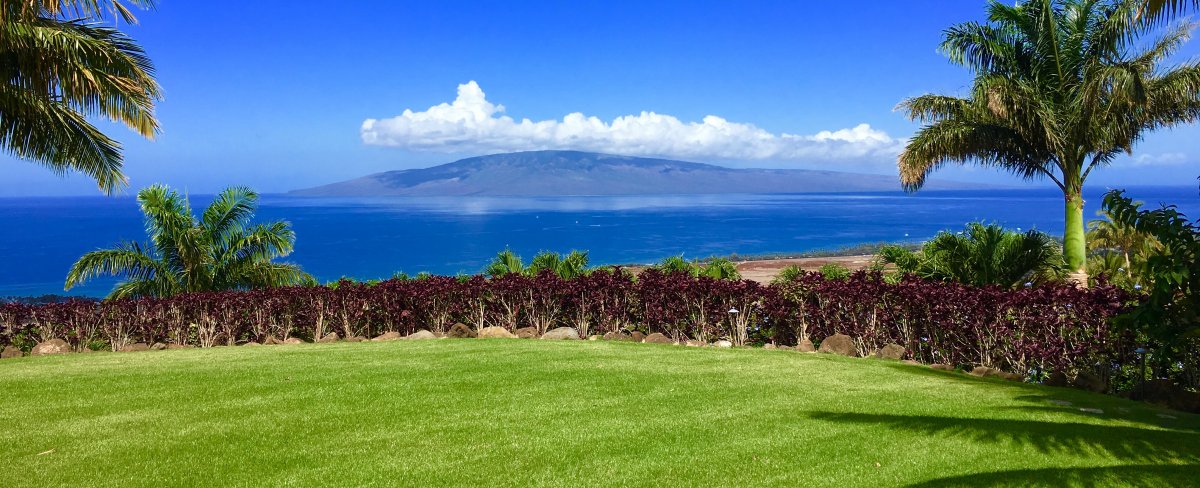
<point x="1164" y="159"/>
<point x="473" y="124"/>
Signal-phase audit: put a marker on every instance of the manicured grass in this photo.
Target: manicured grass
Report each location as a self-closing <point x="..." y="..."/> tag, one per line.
<point x="523" y="412"/>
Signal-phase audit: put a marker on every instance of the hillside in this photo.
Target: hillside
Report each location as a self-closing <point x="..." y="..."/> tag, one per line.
<point x="539" y="173"/>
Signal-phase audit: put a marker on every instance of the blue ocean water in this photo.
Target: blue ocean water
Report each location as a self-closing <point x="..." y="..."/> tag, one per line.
<point x="376" y="237"/>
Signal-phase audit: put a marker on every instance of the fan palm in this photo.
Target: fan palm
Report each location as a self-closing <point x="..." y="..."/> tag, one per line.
<point x="59" y="71"/>
<point x="221" y="250"/>
<point x="982" y="255"/>
<point x="1061" y="88"/>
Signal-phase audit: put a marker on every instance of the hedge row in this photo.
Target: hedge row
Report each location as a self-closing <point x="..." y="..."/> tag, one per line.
<point x="1037" y="328"/>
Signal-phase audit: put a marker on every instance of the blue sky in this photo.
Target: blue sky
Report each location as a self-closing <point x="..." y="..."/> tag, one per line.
<point x="275" y="94"/>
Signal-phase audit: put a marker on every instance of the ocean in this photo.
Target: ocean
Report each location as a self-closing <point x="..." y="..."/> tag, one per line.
<point x="369" y="238"/>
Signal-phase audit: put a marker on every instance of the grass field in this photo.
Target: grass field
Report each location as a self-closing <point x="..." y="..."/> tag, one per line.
<point x="520" y="412"/>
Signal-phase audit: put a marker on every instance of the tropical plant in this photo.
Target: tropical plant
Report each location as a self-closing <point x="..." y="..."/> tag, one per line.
<point x="572" y="265"/>
<point x="983" y="255"/>
<point x="721" y="269"/>
<point x="1061" y="87"/>
<point x="676" y="264"/>
<point x="1118" y="251"/>
<point x="62" y="66"/>
<point x="1171" y="311"/>
<point x="1156" y="11"/>
<point x="505" y="262"/>
<point x="221" y="250"/>
<point x="834" y="271"/>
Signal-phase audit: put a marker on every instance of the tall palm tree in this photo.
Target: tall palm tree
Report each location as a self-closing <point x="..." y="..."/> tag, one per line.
<point x="982" y="255"/>
<point x="61" y="66"/>
<point x="1061" y="87"/>
<point x="221" y="250"/>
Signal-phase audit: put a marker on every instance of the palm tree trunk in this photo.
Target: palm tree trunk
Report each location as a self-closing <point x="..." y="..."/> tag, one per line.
<point x="1074" y="245"/>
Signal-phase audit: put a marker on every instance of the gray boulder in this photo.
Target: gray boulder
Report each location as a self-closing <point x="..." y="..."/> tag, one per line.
<point x="157" y="346"/>
<point x="10" y="352"/>
<point x="271" y="340"/>
<point x="330" y="337"/>
<point x="890" y="351"/>
<point x="839" y="344"/>
<point x="293" y="340"/>
<point x="806" y="346"/>
<point x="562" y="333"/>
<point x="421" y="335"/>
<point x="527" y="333"/>
<point x="52" y="346"/>
<point x="723" y="344"/>
<point x="637" y="336"/>
<point x="657" y="338"/>
<point x="494" y="332"/>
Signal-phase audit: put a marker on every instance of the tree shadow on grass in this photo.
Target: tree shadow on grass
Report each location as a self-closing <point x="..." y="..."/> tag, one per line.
<point x="1132" y="444"/>
<point x="1139" y="475"/>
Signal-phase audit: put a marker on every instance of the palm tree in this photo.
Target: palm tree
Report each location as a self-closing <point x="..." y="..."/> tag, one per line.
<point x="1061" y="88"/>
<point x="982" y="255"/>
<point x="60" y="67"/>
<point x="505" y="262"/>
<point x="721" y="269"/>
<point x="573" y="265"/>
<point x="221" y="250"/>
<point x="1154" y="11"/>
<point x="1109" y="235"/>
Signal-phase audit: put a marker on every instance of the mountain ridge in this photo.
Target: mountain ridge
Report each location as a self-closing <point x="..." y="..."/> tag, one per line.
<point x="579" y="173"/>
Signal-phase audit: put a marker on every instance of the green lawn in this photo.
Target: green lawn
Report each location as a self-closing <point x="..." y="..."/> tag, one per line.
<point x="523" y="412"/>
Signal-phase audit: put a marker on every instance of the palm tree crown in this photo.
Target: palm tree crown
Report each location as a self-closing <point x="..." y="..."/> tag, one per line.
<point x="60" y="67"/>
<point x="1061" y="88"/>
<point x="221" y="250"/>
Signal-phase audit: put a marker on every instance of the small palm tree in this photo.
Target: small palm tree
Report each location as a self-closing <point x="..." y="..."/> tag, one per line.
<point x="219" y="251"/>
<point x="1061" y="87"/>
<point x="676" y="264"/>
<point x="1106" y="234"/>
<point x="505" y="262"/>
<point x="721" y="269"/>
<point x="982" y="255"/>
<point x="573" y="265"/>
<point x="60" y="67"/>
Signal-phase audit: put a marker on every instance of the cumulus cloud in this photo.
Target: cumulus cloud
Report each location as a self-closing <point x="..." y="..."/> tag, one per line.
<point x="471" y="123"/>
